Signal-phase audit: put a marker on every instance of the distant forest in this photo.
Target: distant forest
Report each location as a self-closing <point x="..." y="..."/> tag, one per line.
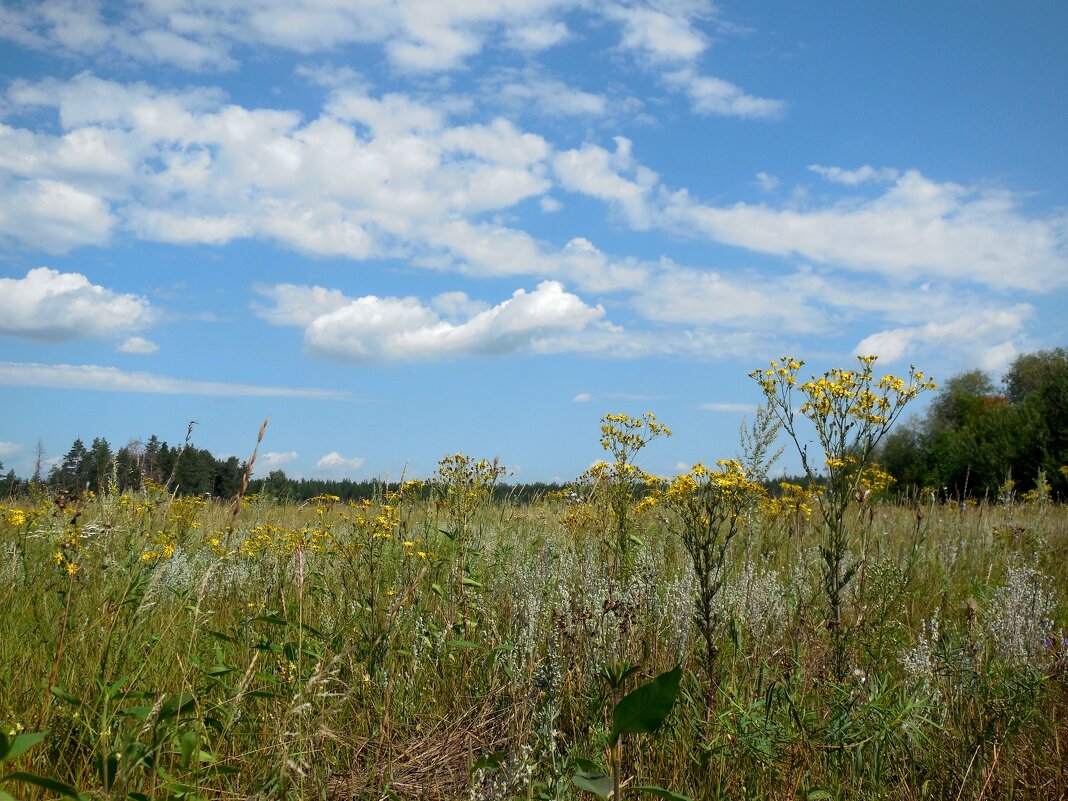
<point x="977" y="439"/>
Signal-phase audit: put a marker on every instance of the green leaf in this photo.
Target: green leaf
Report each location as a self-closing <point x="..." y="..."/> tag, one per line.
<point x="818" y="795"/>
<point x="599" y="784"/>
<point x="63" y="695"/>
<point x="19" y="744"/>
<point x="462" y="644"/>
<point x="587" y="766"/>
<point x="176" y="705"/>
<point x="470" y="582"/>
<point x="652" y="789"/>
<point x="107" y="766"/>
<point x="5" y="796"/>
<point x="49" y="784"/>
<point x="273" y="618"/>
<point x="644" y="709"/>
<point x="491" y="762"/>
<point x="115" y="686"/>
<point x="141" y="712"/>
<point x="188" y="746"/>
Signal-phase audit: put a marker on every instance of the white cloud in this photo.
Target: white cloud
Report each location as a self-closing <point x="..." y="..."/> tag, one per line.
<point x="8" y="449"/>
<point x="727" y="407"/>
<point x="550" y="204"/>
<point x="860" y="175"/>
<point x="299" y="305"/>
<point x="657" y="33"/>
<point x="138" y="345"/>
<point x="984" y="335"/>
<point x="335" y="464"/>
<point x="457" y="305"/>
<point x="596" y="172"/>
<point x="768" y="183"/>
<point x="112" y="379"/>
<point x="417" y="35"/>
<point x="530" y="92"/>
<point x="711" y="95"/>
<point x="52" y="306"/>
<point x="273" y="460"/>
<point x="52" y="216"/>
<point x="917" y="229"/>
<point x="704" y="297"/>
<point x="371" y="329"/>
<point x="582" y="397"/>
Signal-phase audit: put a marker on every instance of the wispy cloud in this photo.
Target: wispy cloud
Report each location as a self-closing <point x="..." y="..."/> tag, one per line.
<point x="112" y="379"/>
<point x="727" y="407"/>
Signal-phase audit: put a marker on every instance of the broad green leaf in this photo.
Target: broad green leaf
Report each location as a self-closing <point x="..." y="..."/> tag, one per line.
<point x="652" y="789"/>
<point x="47" y="783"/>
<point x="188" y="745"/>
<point x="644" y="709"/>
<point x="107" y="766"/>
<point x="818" y="795"/>
<point x="599" y="784"/>
<point x="587" y="766"/>
<point x="5" y="796"/>
<point x="20" y="743"/>
<point x="470" y="582"/>
<point x="176" y="705"/>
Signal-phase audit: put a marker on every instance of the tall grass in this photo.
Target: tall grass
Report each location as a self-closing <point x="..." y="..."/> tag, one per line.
<point x="366" y="651"/>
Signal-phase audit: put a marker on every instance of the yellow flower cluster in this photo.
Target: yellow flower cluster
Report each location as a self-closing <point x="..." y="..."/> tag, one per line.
<point x="793" y="501"/>
<point x="281" y="541"/>
<point x="623" y="435"/>
<point x="164" y="544"/>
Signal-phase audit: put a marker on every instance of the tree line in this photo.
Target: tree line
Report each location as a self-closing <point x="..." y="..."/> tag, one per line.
<point x="976" y="439"/>
<point x="188" y="470"/>
<point x="981" y="439"/>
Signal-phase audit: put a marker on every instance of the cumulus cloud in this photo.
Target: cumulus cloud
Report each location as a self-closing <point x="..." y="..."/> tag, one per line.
<point x="986" y="335"/>
<point x="51" y="306"/>
<point x="8" y="449"/>
<point x="373" y="329"/>
<point x="138" y="345"/>
<point x="112" y="379"/>
<point x="334" y="464"/>
<point x="52" y="216"/>
<point x="659" y="34"/>
<point x="597" y="172"/>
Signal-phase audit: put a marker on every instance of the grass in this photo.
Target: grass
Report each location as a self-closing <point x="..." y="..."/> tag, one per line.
<point x="381" y="650"/>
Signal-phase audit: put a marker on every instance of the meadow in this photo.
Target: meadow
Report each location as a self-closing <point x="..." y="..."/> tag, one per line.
<point x="710" y="636"/>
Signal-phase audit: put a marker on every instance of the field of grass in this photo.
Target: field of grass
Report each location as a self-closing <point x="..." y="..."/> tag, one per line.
<point x="435" y="643"/>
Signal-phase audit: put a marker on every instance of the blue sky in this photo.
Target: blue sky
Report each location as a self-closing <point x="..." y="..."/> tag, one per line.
<point x="414" y="227"/>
